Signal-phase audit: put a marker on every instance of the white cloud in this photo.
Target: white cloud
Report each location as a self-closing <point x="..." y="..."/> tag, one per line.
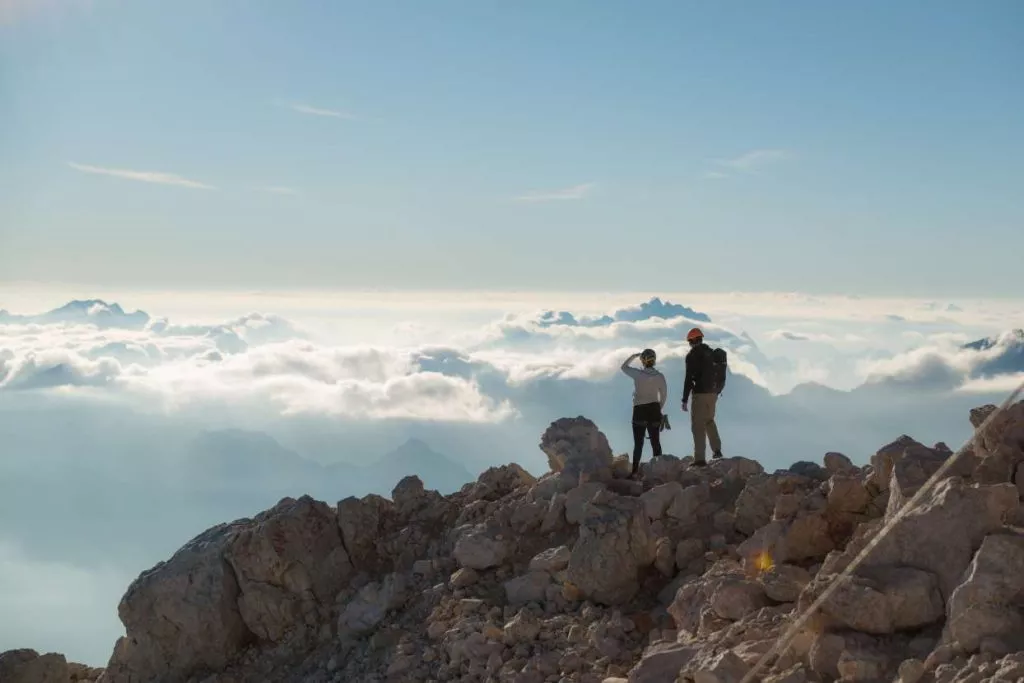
<point x="947" y="363"/>
<point x="568" y="193"/>
<point x="254" y="358"/>
<point x="143" y="176"/>
<point x="1002" y="384"/>
<point x="277" y="189"/>
<point x="320" y="111"/>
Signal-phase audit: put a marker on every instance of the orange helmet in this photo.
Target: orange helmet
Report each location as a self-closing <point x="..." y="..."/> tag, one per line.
<point x="695" y="333"/>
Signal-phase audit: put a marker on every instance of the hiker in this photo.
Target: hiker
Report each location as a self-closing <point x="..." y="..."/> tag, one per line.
<point x="705" y="382"/>
<point x="649" y="395"/>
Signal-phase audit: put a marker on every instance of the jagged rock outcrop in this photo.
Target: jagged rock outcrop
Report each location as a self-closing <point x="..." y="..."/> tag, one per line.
<point x="28" y="666"/>
<point x="577" y="448"/>
<point x="691" y="574"/>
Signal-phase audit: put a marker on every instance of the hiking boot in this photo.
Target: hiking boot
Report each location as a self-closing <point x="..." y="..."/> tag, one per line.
<point x="700" y="463"/>
<point x="717" y="455"/>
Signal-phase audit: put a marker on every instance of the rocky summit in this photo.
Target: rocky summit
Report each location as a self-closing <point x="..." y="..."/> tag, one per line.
<point x="686" y="575"/>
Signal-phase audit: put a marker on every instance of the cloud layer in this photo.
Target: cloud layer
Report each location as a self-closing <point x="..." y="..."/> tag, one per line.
<point x="262" y="359"/>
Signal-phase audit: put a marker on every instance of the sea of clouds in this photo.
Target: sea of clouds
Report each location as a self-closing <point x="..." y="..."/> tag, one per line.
<point x="127" y="431"/>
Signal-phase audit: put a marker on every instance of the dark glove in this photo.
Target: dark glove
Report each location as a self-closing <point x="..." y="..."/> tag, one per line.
<point x="664" y="424"/>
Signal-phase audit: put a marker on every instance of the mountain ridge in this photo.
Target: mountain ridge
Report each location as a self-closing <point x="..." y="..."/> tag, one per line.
<point x="583" y="574"/>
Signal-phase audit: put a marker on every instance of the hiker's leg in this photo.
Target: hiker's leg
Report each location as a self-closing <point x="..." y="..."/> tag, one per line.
<point x="654" y="431"/>
<point x="712" y="427"/>
<point x="698" y="424"/>
<point x="638" y="444"/>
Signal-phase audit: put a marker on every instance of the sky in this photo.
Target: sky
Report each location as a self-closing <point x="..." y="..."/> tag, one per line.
<point x="869" y="148"/>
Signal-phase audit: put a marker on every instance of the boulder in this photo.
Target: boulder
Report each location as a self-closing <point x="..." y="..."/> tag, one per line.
<point x="551" y="560"/>
<point x="910" y="469"/>
<point x="657" y="500"/>
<point x="412" y="499"/>
<point x="182" y="615"/>
<point x="756" y="503"/>
<point x="988" y="602"/>
<point x="363" y="522"/>
<point x="371" y="604"/>
<point x="720" y="667"/>
<point x="288" y="563"/>
<point x="577" y="448"/>
<point x="28" y="666"/>
<point x="784" y="582"/>
<point x="662" y="662"/>
<point x="734" y="598"/>
<point x="497" y="482"/>
<point x="686" y="503"/>
<point x="1000" y="445"/>
<point x="531" y="587"/>
<point x="481" y="548"/>
<point x="942" y="533"/>
<point x="688" y="550"/>
<point x="577" y="499"/>
<point x="880" y="599"/>
<point x="615" y="542"/>
<point x="837" y="463"/>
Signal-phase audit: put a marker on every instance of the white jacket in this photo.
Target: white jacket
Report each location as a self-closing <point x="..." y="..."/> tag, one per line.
<point x="650" y="385"/>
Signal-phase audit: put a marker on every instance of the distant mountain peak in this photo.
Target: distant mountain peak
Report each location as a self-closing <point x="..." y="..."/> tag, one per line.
<point x="93" y="311"/>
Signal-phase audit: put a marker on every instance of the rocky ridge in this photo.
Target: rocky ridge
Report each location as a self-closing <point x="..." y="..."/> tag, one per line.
<point x="690" y="574"/>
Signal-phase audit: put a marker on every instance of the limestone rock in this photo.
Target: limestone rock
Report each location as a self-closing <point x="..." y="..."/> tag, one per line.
<point x="182" y="615"/>
<point x="657" y="500"/>
<point x="531" y="587"/>
<point x="988" y="602"/>
<point x="615" y="542"/>
<point x="686" y="503"/>
<point x="784" y="582"/>
<point x="756" y="503"/>
<point x="662" y="662"/>
<point x="575" y="447"/>
<point x="942" y="533"/>
<point x="497" y="482"/>
<point x="837" y="463"/>
<point x="577" y="500"/>
<point x="551" y="560"/>
<point x="882" y="599"/>
<point x="287" y="563"/>
<point x="363" y="522"/>
<point x="733" y="599"/>
<point x="481" y="548"/>
<point x="28" y="666"/>
<point x="372" y="603"/>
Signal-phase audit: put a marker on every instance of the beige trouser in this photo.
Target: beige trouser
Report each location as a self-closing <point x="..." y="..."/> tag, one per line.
<point x="702" y="420"/>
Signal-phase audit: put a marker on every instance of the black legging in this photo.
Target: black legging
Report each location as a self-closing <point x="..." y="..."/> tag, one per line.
<point x="646" y="418"/>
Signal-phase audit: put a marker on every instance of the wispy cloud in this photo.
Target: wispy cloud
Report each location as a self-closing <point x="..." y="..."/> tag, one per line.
<point x="319" y="111"/>
<point x="574" y="192"/>
<point x="143" y="176"/>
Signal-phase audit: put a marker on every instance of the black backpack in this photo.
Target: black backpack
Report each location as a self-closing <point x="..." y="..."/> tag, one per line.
<point x="719" y="363"/>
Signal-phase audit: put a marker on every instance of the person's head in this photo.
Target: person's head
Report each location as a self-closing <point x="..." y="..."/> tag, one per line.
<point x="648" y="358"/>
<point x="695" y="336"/>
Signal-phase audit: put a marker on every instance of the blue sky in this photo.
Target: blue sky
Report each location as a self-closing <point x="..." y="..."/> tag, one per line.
<point x="872" y="148"/>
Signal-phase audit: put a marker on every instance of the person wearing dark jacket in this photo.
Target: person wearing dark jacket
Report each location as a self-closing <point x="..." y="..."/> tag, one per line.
<point x="700" y="382"/>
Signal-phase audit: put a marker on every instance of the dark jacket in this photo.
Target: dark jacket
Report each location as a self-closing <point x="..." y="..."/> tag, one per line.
<point x="700" y="377"/>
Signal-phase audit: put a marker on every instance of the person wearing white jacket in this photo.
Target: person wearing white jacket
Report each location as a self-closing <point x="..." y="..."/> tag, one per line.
<point x="649" y="395"/>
